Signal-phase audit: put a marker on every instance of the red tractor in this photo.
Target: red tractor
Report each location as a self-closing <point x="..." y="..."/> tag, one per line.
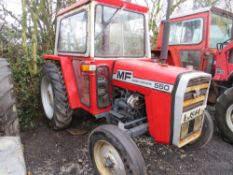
<point x="203" y="40"/>
<point x="102" y="64"/>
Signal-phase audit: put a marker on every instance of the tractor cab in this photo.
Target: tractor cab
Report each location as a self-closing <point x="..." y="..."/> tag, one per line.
<point x="196" y="37"/>
<point x="103" y="29"/>
<point x="91" y="35"/>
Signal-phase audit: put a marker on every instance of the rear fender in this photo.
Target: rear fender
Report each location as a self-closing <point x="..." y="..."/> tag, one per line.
<point x="69" y="79"/>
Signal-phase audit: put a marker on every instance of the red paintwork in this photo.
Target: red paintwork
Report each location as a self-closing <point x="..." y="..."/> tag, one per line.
<point x="158" y="104"/>
<point x="68" y="75"/>
<point x="221" y="57"/>
<point x="223" y="64"/>
<point x="67" y="66"/>
<point x="174" y="56"/>
<point x="117" y="3"/>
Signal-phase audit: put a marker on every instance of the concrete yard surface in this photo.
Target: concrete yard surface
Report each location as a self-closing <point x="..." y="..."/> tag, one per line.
<point x="11" y="156"/>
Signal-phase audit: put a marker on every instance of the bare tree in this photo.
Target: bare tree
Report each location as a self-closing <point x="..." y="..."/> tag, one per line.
<point x="157" y="13"/>
<point x="204" y="3"/>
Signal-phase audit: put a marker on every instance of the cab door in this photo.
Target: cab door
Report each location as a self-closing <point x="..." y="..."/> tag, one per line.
<point x="72" y="42"/>
<point x="188" y="40"/>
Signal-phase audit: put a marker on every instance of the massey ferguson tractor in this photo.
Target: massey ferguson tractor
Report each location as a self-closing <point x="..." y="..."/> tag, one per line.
<point x="102" y="64"/>
<point x="203" y="40"/>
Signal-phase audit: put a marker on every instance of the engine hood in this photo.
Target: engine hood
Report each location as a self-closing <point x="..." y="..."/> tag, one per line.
<point x="147" y="74"/>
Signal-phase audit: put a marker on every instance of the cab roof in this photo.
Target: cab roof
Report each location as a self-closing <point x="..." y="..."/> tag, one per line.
<point x="203" y="10"/>
<point x="115" y="3"/>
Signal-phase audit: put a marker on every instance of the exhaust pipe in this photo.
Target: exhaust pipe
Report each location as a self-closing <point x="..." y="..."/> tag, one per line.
<point x="166" y="32"/>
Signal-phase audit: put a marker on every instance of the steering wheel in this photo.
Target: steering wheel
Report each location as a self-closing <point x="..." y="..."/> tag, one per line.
<point x="220" y="46"/>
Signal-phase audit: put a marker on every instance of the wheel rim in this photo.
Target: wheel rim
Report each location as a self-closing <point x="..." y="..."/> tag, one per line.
<point x="47" y="97"/>
<point x="107" y="159"/>
<point x="229" y="117"/>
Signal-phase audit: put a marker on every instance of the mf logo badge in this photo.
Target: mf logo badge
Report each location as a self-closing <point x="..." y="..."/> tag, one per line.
<point x="127" y="76"/>
<point x="124" y="75"/>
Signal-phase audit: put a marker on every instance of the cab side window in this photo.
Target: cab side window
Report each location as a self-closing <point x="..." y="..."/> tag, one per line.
<point x="73" y="33"/>
<point x="186" y="32"/>
<point x="191" y="32"/>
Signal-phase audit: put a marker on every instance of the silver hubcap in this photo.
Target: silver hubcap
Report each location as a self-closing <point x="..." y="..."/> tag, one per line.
<point x="229" y="117"/>
<point x="47" y="97"/>
<point x="107" y="159"/>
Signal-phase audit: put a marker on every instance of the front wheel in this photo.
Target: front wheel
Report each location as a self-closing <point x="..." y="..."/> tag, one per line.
<point x="224" y="115"/>
<point x="206" y="135"/>
<point x="113" y="152"/>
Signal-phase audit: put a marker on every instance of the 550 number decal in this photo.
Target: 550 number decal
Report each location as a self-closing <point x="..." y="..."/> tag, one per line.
<point x="127" y="76"/>
<point x="162" y="86"/>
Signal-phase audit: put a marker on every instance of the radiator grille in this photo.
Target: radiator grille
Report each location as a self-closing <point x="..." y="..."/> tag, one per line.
<point x="195" y="93"/>
<point x="193" y="109"/>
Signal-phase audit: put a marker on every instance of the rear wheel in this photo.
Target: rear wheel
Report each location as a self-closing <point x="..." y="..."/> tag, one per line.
<point x="113" y="152"/>
<point x="224" y="115"/>
<point x="9" y="124"/>
<point x="54" y="97"/>
<point x="206" y="135"/>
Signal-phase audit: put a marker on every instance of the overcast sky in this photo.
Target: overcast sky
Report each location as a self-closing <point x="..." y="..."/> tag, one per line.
<point x="15" y="6"/>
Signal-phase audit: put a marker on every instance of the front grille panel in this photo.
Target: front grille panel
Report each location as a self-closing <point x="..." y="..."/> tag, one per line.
<point x="197" y="81"/>
<point x="190" y="104"/>
<point x="195" y="93"/>
<point x="190" y="127"/>
<point x="193" y="108"/>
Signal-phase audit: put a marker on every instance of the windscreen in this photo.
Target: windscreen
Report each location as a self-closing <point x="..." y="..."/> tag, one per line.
<point x="220" y="29"/>
<point x="119" y="33"/>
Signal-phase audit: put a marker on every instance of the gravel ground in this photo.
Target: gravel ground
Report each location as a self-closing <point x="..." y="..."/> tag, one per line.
<point x="60" y="153"/>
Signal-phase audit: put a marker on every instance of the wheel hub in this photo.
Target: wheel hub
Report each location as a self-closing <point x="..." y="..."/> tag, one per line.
<point x="109" y="163"/>
<point x="107" y="159"/>
<point x="47" y="97"/>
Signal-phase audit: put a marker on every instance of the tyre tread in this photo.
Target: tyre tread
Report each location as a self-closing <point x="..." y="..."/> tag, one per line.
<point x="223" y="102"/>
<point x="62" y="113"/>
<point x="8" y="114"/>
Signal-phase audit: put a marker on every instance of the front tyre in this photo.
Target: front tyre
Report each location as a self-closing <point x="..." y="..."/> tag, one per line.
<point x="206" y="135"/>
<point x="54" y="97"/>
<point x="224" y="115"/>
<point x="113" y="152"/>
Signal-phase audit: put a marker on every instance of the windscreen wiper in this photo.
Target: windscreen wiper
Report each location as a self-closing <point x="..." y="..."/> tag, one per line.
<point x="111" y="19"/>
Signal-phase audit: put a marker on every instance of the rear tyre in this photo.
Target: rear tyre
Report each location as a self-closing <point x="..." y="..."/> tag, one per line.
<point x="206" y="135"/>
<point x="9" y="124"/>
<point x="54" y="97"/>
<point x="224" y="115"/>
<point x="113" y="152"/>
